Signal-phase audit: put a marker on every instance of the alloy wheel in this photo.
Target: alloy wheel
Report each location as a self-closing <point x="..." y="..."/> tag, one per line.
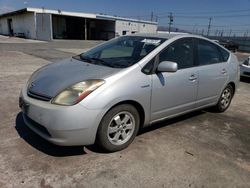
<point x="121" y="128"/>
<point x="226" y="98"/>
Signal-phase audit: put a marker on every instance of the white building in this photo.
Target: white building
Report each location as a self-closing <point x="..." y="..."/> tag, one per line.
<point x="44" y="24"/>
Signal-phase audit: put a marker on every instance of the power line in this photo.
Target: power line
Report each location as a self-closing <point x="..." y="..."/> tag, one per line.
<point x="198" y="15"/>
<point x="208" y="12"/>
<point x="153" y="17"/>
<point x="200" y="28"/>
<point x="207" y="17"/>
<point x="203" y="25"/>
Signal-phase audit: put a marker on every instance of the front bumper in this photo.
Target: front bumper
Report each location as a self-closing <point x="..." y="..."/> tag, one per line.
<point x="245" y="70"/>
<point x="61" y="125"/>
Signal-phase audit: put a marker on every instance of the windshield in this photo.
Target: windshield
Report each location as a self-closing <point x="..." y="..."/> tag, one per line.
<point x="122" y="52"/>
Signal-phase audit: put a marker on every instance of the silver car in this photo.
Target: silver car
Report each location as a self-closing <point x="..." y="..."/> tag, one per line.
<point x="105" y="95"/>
<point x="245" y="68"/>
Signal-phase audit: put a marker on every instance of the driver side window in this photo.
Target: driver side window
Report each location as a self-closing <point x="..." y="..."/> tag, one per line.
<point x="181" y="52"/>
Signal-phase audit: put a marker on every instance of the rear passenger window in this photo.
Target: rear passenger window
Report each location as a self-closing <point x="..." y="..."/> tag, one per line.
<point x="208" y="53"/>
<point x="180" y="52"/>
<point x="225" y="54"/>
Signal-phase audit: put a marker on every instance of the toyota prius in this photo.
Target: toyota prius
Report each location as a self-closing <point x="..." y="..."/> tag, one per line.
<point x="105" y="95"/>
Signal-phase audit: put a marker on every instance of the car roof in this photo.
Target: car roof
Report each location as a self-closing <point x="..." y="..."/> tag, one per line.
<point x="158" y="35"/>
<point x="167" y="35"/>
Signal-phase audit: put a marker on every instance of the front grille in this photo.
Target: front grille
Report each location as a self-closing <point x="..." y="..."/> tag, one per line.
<point x="37" y="126"/>
<point x="246" y="73"/>
<point x="38" y="96"/>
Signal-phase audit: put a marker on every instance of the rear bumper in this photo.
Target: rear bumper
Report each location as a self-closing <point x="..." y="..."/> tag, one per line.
<point x="60" y="125"/>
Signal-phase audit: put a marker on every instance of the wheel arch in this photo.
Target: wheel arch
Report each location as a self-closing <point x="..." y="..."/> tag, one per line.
<point x="136" y="104"/>
<point x="232" y="84"/>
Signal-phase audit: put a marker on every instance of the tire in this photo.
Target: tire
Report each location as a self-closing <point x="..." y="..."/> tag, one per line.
<point x="118" y="128"/>
<point x="225" y="99"/>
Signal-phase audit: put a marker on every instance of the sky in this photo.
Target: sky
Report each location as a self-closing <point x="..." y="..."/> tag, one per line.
<point x="227" y="16"/>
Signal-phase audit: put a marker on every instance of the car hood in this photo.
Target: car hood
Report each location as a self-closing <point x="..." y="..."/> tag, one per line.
<point x="51" y="79"/>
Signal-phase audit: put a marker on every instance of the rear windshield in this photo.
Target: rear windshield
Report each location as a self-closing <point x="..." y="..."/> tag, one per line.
<point x="123" y="51"/>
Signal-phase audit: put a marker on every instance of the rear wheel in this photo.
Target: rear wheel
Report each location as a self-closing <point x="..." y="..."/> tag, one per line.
<point x="118" y="128"/>
<point x="225" y="99"/>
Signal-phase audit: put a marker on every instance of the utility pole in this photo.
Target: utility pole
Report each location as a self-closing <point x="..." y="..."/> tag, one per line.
<point x="246" y="34"/>
<point x="43" y="13"/>
<point x="85" y="30"/>
<point x="216" y="32"/>
<point x="152" y="16"/>
<point x="209" y="26"/>
<point x="221" y="34"/>
<point x="230" y="32"/>
<point x="194" y="28"/>
<point x="171" y="19"/>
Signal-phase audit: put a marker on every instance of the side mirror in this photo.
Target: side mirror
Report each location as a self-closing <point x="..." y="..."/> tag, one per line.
<point x="167" y="66"/>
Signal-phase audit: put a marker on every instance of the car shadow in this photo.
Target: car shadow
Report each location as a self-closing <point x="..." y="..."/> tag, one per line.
<point x="48" y="148"/>
<point x="171" y="121"/>
<point x="41" y="144"/>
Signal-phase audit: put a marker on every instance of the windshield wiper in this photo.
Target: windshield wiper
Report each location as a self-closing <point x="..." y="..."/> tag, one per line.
<point x="95" y="60"/>
<point x="86" y="59"/>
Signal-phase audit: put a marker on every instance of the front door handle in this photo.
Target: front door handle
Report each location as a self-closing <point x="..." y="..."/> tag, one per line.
<point x="193" y="77"/>
<point x="223" y="71"/>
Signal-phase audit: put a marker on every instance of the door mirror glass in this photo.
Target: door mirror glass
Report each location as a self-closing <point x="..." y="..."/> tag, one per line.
<point x="167" y="66"/>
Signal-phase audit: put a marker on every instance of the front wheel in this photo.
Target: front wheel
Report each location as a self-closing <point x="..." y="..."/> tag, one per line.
<point x="118" y="128"/>
<point x="225" y="99"/>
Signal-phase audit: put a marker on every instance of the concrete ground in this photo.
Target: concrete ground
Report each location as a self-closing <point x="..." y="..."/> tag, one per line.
<point x="200" y="149"/>
<point x="7" y="39"/>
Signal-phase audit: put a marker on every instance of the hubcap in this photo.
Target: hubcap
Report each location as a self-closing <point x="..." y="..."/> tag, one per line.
<point x="121" y="128"/>
<point x="225" y="98"/>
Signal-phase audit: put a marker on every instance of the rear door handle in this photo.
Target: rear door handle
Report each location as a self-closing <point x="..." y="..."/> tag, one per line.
<point x="193" y="77"/>
<point x="223" y="71"/>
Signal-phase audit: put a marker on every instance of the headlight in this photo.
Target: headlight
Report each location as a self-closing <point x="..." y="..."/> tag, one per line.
<point x="77" y="92"/>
